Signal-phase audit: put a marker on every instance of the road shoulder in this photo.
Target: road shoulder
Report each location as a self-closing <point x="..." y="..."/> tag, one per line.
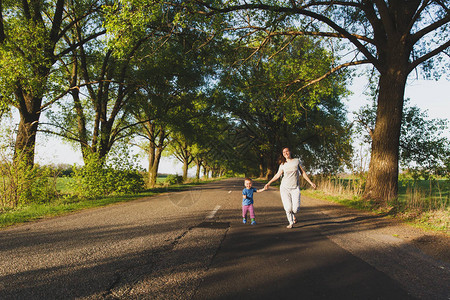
<point x="416" y="258"/>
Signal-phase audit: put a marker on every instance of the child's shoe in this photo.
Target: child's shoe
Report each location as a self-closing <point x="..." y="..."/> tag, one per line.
<point x="244" y="220"/>
<point x="253" y="222"/>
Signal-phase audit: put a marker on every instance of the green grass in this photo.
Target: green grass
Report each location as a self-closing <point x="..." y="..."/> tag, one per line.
<point x="66" y="204"/>
<point x="63" y="184"/>
<point x="421" y="203"/>
<point x="424" y="194"/>
<point x="55" y="208"/>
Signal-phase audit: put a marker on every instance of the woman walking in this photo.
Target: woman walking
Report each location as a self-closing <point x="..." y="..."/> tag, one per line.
<point x="290" y="168"/>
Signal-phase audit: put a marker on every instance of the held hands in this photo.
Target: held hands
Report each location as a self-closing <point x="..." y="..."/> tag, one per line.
<point x="263" y="189"/>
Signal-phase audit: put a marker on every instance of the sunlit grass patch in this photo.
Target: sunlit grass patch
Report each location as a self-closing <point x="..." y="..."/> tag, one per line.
<point x="421" y="202"/>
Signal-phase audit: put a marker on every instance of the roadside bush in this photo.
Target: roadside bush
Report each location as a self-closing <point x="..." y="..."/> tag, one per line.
<point x="98" y="178"/>
<point x="174" y="179"/>
<point x="127" y="182"/>
<point x="21" y="184"/>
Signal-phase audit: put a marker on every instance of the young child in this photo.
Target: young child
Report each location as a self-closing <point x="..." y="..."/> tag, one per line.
<point x="247" y="200"/>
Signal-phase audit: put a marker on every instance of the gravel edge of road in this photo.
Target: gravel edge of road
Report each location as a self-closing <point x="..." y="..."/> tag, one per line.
<point x="418" y="259"/>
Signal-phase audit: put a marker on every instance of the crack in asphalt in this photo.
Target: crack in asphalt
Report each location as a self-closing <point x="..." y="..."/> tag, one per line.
<point x="160" y="255"/>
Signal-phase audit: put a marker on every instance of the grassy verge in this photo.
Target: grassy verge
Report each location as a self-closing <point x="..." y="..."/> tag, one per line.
<point x="64" y="205"/>
<point x="420" y="204"/>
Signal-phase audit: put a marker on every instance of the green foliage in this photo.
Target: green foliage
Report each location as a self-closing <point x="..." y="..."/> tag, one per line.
<point x="23" y="66"/>
<point x="132" y="20"/>
<point x="21" y="184"/>
<point x="173" y="179"/>
<point x="99" y="179"/>
<point x="424" y="149"/>
<point x="275" y="106"/>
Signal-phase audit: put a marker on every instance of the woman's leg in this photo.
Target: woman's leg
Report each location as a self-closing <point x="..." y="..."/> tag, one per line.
<point x="295" y="198"/>
<point x="287" y="204"/>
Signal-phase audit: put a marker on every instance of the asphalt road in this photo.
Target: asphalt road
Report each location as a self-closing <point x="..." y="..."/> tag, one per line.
<point x="192" y="245"/>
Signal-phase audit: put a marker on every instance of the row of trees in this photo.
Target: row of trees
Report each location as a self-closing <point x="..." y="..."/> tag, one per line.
<point x="224" y="85"/>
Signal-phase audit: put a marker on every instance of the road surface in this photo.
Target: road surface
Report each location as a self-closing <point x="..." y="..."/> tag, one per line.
<point x="193" y="245"/>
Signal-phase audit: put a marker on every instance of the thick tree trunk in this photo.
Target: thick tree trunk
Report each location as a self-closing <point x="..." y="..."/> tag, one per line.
<point x="197" y="173"/>
<point x="185" y="169"/>
<point x="394" y="46"/>
<point x="154" y="158"/>
<point x="29" y="111"/>
<point x="105" y="137"/>
<point x="382" y="179"/>
<point x="153" y="172"/>
<point x="157" y="144"/>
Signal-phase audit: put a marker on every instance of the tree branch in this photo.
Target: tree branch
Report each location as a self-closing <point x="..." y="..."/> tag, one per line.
<point x="82" y="42"/>
<point x="116" y="132"/>
<point x="66" y="133"/>
<point x="26" y="9"/>
<point x="43" y="107"/>
<point x="76" y="21"/>
<point x="320" y="33"/>
<point x="429" y="55"/>
<point x="419" y="34"/>
<point x="417" y="15"/>
<point x="333" y="70"/>
<point x="303" y="12"/>
<point x="386" y="19"/>
<point x="57" y="19"/>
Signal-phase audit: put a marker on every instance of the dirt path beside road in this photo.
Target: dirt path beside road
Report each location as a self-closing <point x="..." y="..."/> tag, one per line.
<point x="419" y="259"/>
<point x="433" y="243"/>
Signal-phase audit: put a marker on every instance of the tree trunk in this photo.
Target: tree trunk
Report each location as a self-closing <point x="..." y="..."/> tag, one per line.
<point x="105" y="138"/>
<point x="152" y="167"/>
<point x="394" y="47"/>
<point x="81" y="118"/>
<point x="185" y="169"/>
<point x="271" y="167"/>
<point x="153" y="172"/>
<point x="197" y="173"/>
<point x="29" y="110"/>
<point x="154" y="158"/>
<point x="382" y="179"/>
<point x="261" y="166"/>
<point x="157" y="142"/>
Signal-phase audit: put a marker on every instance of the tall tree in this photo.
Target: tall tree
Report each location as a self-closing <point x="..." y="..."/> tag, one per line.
<point x="272" y="114"/>
<point x="117" y="80"/>
<point x="31" y="43"/>
<point x="183" y="149"/>
<point x="394" y="37"/>
<point x="172" y="73"/>
<point x="99" y="119"/>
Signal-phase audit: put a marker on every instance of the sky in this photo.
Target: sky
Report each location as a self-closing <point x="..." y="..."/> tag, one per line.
<point x="430" y="95"/>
